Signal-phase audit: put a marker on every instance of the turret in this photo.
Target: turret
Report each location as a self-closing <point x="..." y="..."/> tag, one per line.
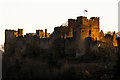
<point x="114" y="40"/>
<point x="46" y="33"/>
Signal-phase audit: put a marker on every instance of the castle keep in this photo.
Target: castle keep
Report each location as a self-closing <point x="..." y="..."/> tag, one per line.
<point x="81" y="26"/>
<point x="72" y="36"/>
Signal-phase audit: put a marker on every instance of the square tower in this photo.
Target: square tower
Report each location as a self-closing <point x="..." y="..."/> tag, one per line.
<point x="87" y="27"/>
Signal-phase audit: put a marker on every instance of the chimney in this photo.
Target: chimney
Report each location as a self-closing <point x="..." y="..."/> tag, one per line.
<point x="45" y="32"/>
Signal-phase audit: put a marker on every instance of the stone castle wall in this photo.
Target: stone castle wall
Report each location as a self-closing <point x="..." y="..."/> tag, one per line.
<point x="72" y="35"/>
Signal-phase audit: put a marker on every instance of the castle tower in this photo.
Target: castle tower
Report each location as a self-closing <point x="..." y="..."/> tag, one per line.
<point x="87" y="28"/>
<point x="81" y="32"/>
<point x="94" y="25"/>
<point x="10" y="38"/>
<point x="10" y="35"/>
<point x="72" y="27"/>
<point x="80" y="45"/>
<point x="20" y="32"/>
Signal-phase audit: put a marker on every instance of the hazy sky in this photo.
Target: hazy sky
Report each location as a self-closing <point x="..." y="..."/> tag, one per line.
<point x="40" y="14"/>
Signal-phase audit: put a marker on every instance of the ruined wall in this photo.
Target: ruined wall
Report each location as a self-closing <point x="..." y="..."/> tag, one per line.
<point x="40" y="33"/>
<point x="114" y="40"/>
<point x="101" y="36"/>
<point x="10" y="36"/>
<point x="65" y="31"/>
<point x="57" y="33"/>
<point x="20" y="32"/>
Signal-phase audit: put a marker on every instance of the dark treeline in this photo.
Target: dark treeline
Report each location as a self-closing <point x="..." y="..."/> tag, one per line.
<point x="34" y="62"/>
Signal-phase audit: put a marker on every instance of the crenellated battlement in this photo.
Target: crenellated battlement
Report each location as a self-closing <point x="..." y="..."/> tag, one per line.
<point x="10" y="30"/>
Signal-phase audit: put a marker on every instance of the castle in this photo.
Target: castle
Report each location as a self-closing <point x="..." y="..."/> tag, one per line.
<point x="72" y="35"/>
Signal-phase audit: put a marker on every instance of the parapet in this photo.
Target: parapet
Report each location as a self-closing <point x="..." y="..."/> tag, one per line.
<point x="94" y="18"/>
<point x="56" y="28"/>
<point x="71" y="20"/>
<point x="82" y="17"/>
<point x="10" y="30"/>
<point x="38" y="31"/>
<point x="85" y="18"/>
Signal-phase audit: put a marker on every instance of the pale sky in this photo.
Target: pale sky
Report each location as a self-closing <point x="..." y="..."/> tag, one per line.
<point x="40" y="14"/>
